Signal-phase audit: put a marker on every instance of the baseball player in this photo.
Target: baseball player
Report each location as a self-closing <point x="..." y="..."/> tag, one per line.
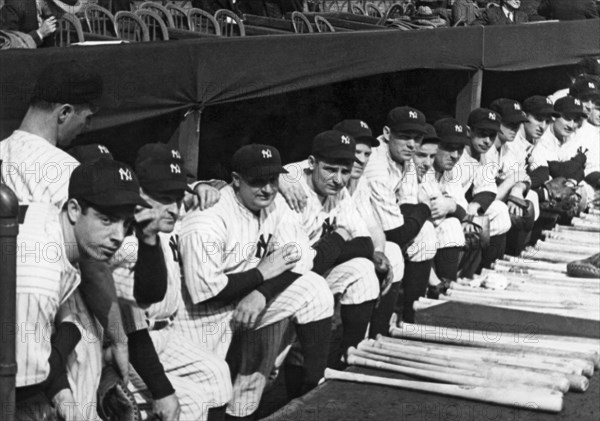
<point x="246" y="265"/>
<point x="93" y="221"/>
<point x="437" y="154"/>
<point x="387" y="254"/>
<point x="539" y="111"/>
<point x="512" y="179"/>
<point x="173" y="378"/>
<point x="401" y="211"/>
<point x="477" y="175"/>
<point x="587" y="90"/>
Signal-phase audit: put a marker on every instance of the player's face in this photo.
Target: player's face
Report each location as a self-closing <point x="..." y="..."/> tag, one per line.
<point x="73" y="120"/>
<point x="329" y="178"/>
<point x="447" y="156"/>
<point x="593" y="112"/>
<point x="515" y="4"/>
<point x="566" y="125"/>
<point x="99" y="233"/>
<point x="403" y="145"/>
<point x="536" y="126"/>
<point x="363" y="153"/>
<point x="256" y="193"/>
<point x="482" y="140"/>
<point x="165" y="209"/>
<point x="424" y="158"/>
<point x="508" y="131"/>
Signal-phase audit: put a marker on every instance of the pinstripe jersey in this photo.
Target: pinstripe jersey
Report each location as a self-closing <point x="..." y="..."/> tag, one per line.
<point x="36" y="170"/>
<point x="589" y="137"/>
<point x="124" y="263"/>
<point x="510" y="159"/>
<point x="335" y="211"/>
<point x="45" y="279"/>
<point x="549" y="148"/>
<point x="481" y="175"/>
<point x="228" y="238"/>
<point x="446" y="183"/>
<point x="391" y="185"/>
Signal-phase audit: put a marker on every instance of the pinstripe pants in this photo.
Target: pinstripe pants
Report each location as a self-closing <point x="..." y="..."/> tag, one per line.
<point x="355" y="280"/>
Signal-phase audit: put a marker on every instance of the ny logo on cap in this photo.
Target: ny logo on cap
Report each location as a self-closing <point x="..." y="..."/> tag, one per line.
<point x="175" y="154"/>
<point x="591" y="85"/>
<point x="346" y="140"/>
<point x="458" y="129"/>
<point x="103" y="149"/>
<point x="577" y="102"/>
<point x="548" y="101"/>
<point x="412" y="114"/>
<point x="492" y="116"/>
<point x="363" y="125"/>
<point x="175" y="169"/>
<point x="517" y="107"/>
<point x="125" y="174"/>
<point x="266" y="153"/>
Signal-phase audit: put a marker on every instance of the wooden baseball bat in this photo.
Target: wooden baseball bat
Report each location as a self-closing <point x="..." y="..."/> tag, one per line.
<point x="530" y="399"/>
<point x="478" y="338"/>
<point x="559" y="244"/>
<point x="525" y="263"/>
<point x="576" y="382"/>
<point x="550" y="296"/>
<point x="580" y="365"/>
<point x="495" y="373"/>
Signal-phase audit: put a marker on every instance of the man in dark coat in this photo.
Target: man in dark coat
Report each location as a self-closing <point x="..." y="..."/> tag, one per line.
<point x="507" y="14"/>
<point x="36" y="17"/>
<point x="568" y="9"/>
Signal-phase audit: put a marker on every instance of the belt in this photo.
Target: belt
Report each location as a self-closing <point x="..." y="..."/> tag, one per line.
<point x="162" y="323"/>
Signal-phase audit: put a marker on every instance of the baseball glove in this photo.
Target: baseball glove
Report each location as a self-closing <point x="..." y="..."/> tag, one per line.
<point x="115" y="401"/>
<point x="526" y="221"/>
<point x="586" y="268"/>
<point x="563" y="198"/>
<point x="478" y="236"/>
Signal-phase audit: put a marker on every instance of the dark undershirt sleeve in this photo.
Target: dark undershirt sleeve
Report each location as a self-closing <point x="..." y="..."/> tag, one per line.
<point x="539" y="176"/>
<point x="357" y="247"/>
<point x="238" y="285"/>
<point x="275" y="286"/>
<point x="593" y="179"/>
<point x="485" y="199"/>
<point x="145" y="361"/>
<point x="328" y="250"/>
<point x="459" y="213"/>
<point x="65" y="339"/>
<point x="150" y="274"/>
<point x="414" y="218"/>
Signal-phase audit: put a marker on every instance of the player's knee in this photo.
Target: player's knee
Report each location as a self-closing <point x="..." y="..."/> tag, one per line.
<point x="394" y="255"/>
<point x="499" y="218"/>
<point x="319" y="296"/>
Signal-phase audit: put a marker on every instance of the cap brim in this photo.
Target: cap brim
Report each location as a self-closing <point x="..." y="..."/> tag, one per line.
<point x="164" y="186"/>
<point x="264" y="171"/>
<point x="115" y="199"/>
<point x="456" y="140"/>
<point x="338" y="156"/>
<point x="367" y="139"/>
<point x="573" y="112"/>
<point x="515" y="119"/>
<point x="485" y="125"/>
<point x="409" y="128"/>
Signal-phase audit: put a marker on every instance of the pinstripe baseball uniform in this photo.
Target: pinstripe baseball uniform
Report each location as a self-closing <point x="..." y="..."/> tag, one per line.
<point x="228" y="238"/>
<point x="481" y="177"/>
<point x="391" y="186"/>
<point x="589" y="136"/>
<point x="449" y="231"/>
<point x="38" y="171"/>
<point x="200" y="378"/>
<point x="355" y="279"/>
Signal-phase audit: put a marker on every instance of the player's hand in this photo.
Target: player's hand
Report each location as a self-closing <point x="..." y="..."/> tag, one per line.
<point x="206" y="196"/>
<point x="249" y="309"/>
<point x="383" y="266"/>
<point x="423" y="197"/>
<point x="281" y="260"/>
<point x="167" y="408"/>
<point x="293" y="193"/>
<point x="442" y="206"/>
<point x="473" y="208"/>
<point x="117" y="354"/>
<point x="66" y="406"/>
<point x="146" y="223"/>
<point x="514" y="209"/>
<point x="468" y="227"/>
<point x="48" y="27"/>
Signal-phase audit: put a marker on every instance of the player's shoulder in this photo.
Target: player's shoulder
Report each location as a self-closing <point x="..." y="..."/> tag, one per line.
<point x="214" y="218"/>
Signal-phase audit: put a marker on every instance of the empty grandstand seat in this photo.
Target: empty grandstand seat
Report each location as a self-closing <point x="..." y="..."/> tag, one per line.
<point x="231" y="25"/>
<point x="68" y="30"/>
<point x="323" y="24"/>
<point x="203" y="22"/>
<point x="372" y="10"/>
<point x="161" y="11"/>
<point x="301" y="23"/>
<point x="131" y="27"/>
<point x="100" y="21"/>
<point x="157" y="28"/>
<point x="180" y="16"/>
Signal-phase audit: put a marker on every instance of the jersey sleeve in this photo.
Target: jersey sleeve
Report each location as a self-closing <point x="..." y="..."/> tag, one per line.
<point x="539" y="156"/>
<point x="291" y="234"/>
<point x="202" y="238"/>
<point x="349" y="218"/>
<point x="385" y="205"/>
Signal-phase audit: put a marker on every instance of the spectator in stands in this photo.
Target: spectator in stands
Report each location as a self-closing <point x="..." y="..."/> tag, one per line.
<point x="568" y="9"/>
<point x="36" y="17"/>
<point x="530" y="7"/>
<point x="507" y="14"/>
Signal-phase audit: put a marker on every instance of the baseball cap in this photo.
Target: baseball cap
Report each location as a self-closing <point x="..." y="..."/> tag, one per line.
<point x="484" y="118"/>
<point x="161" y="176"/>
<point x="257" y="160"/>
<point x="91" y="152"/>
<point x="569" y="105"/>
<point x="359" y="130"/>
<point x="106" y="183"/>
<point x="539" y="105"/>
<point x="69" y="82"/>
<point x="585" y="86"/>
<point x="451" y="130"/>
<point x="334" y="144"/>
<point x="406" y="119"/>
<point x="161" y="151"/>
<point x="509" y="109"/>
<point x="430" y="135"/>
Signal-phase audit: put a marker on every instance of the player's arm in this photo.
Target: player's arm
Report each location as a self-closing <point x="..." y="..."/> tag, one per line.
<point x="65" y="339"/>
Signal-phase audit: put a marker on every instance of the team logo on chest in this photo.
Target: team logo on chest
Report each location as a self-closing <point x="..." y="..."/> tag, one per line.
<point x="174" y="246"/>
<point x="262" y="245"/>
<point x="328" y="226"/>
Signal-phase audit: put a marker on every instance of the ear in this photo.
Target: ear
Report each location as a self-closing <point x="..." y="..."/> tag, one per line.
<point x="73" y="210"/>
<point x="386" y="133"/>
<point x="235" y="178"/>
<point x="64" y="112"/>
<point x="312" y="162"/>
